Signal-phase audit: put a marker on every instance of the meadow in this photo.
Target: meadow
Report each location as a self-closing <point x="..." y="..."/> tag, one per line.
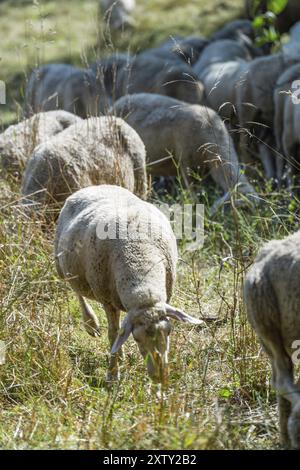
<point x="52" y="390"/>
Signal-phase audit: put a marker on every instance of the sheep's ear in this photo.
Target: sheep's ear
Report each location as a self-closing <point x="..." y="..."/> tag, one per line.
<point x="124" y="333"/>
<point x="177" y="314"/>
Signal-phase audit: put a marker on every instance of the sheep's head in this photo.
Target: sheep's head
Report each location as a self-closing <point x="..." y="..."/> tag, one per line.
<point x="151" y="328"/>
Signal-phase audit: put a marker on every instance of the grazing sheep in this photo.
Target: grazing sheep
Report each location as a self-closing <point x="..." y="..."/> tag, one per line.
<point x="117" y="13"/>
<point x="19" y="141"/>
<point x="255" y="92"/>
<point x="272" y="298"/>
<point x="233" y="30"/>
<point x="62" y="86"/>
<point x="150" y="74"/>
<point x="287" y="122"/>
<point x="219" y="52"/>
<point x="292" y="47"/>
<point x="242" y="93"/>
<point x="133" y="270"/>
<point x="193" y="135"/>
<point x="219" y="68"/>
<point x="101" y="150"/>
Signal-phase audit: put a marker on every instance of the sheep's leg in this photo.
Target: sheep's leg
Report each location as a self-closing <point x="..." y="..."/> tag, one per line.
<point x="288" y="392"/>
<point x="284" y="411"/>
<point x="90" y="320"/>
<point x="113" y="319"/>
<point x="266" y="157"/>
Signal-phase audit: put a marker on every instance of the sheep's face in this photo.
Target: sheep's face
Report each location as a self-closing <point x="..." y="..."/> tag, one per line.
<point x="151" y="332"/>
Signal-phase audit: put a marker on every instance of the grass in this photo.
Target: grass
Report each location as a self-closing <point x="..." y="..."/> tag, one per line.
<point x="52" y="392"/>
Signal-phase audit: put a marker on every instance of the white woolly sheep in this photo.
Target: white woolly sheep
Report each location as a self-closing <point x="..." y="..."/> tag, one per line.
<point x="255" y="101"/>
<point x="283" y="21"/>
<point x="117" y="13"/>
<point x="62" y="86"/>
<point x="132" y="270"/>
<point x="194" y="135"/>
<point x="272" y="299"/>
<point x="101" y="150"/>
<point x="243" y="91"/>
<point x="186" y="50"/>
<point x="18" y="142"/>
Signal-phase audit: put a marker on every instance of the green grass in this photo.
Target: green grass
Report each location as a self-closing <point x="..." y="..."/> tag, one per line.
<point x="52" y="392"/>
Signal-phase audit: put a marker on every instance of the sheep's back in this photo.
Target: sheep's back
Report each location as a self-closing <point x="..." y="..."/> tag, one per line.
<point x="272" y="290"/>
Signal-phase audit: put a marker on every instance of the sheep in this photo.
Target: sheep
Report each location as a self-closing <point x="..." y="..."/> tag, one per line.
<point x="240" y="31"/>
<point x="194" y="136"/>
<point x="130" y="267"/>
<point x="284" y="20"/>
<point x="19" y="141"/>
<point x="241" y="91"/>
<point x="254" y="92"/>
<point x="272" y="298"/>
<point x="230" y="78"/>
<point x="254" y="100"/>
<point x="62" y="86"/>
<point x="292" y="47"/>
<point x="286" y="122"/>
<point x="117" y="13"/>
<point x="95" y="151"/>
<point x="149" y="74"/>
